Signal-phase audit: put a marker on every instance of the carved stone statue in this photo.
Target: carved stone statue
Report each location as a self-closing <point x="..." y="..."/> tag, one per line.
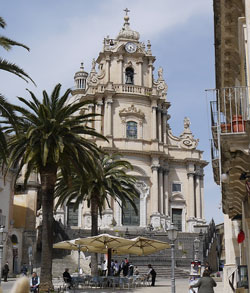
<point x="186" y="122"/>
<point x="93" y="64"/>
<point x="160" y="73"/>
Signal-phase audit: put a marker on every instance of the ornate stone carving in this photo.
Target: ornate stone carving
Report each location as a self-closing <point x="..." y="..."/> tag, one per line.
<point x="132" y="111"/>
<point x="160" y="83"/>
<point x="187" y="138"/>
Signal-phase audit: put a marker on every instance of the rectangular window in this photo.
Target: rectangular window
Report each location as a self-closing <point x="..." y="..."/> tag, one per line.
<point x="177" y="218"/>
<point x="72" y="215"/>
<point x="176" y="187"/>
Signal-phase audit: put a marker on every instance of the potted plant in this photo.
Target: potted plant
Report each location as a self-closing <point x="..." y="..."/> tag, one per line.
<point x="238" y="123"/>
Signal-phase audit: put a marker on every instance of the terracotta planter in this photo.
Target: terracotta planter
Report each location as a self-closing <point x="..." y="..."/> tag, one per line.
<point x="238" y="124"/>
<point x="226" y="127"/>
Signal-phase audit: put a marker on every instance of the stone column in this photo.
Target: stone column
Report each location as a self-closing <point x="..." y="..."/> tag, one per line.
<point x="159" y="124"/>
<point x="154" y="190"/>
<point x="155" y="217"/>
<point x="161" y="194"/>
<point x="98" y="121"/>
<point x="120" y="62"/>
<point x="198" y="196"/>
<point x="202" y="196"/>
<point x="164" y="126"/>
<point x="105" y="118"/>
<point x="166" y="197"/>
<point x="109" y="117"/>
<point x="150" y="74"/>
<point x="91" y="108"/>
<point x="140" y="73"/>
<point x="108" y="68"/>
<point x="153" y="122"/>
<point x="191" y="203"/>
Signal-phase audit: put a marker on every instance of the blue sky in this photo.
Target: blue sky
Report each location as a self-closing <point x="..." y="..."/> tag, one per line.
<point x="63" y="33"/>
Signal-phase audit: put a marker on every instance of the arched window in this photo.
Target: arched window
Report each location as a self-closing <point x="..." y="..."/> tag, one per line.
<point x="131" y="129"/>
<point x="72" y="217"/>
<point x="129" y="217"/>
<point x="129" y="75"/>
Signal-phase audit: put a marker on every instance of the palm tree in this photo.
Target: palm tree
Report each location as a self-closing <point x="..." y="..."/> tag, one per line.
<point x="48" y="140"/>
<point x="110" y="181"/>
<point x="7" y="44"/>
<point x="5" y="108"/>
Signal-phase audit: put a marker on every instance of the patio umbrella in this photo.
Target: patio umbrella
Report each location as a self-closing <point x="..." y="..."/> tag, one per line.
<point x="141" y="246"/>
<point x="72" y="245"/>
<point x="105" y="243"/>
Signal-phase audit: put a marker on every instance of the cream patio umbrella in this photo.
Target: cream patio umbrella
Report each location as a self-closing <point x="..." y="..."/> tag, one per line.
<point x="72" y="245"/>
<point x="141" y="246"/>
<point x="105" y="243"/>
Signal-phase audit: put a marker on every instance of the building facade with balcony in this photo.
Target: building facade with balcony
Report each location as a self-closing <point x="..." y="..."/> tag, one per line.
<point x="134" y="118"/>
<point x="231" y="130"/>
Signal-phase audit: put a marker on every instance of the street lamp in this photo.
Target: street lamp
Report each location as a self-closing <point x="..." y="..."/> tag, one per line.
<point x="196" y="248"/>
<point x="2" y="225"/>
<point x="172" y="236"/>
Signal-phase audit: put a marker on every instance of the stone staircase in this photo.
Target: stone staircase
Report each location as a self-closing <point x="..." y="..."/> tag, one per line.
<point x="161" y="261"/>
<point x="71" y="262"/>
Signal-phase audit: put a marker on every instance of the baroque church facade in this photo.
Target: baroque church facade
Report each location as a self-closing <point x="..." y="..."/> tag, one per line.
<point x="134" y="117"/>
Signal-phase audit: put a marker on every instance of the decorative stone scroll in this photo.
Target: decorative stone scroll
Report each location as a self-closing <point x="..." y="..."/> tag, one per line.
<point x="187" y="138"/>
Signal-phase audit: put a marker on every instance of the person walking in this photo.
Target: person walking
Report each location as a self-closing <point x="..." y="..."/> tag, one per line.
<point x="151" y="272"/>
<point x="5" y="272"/>
<point x="205" y="284"/>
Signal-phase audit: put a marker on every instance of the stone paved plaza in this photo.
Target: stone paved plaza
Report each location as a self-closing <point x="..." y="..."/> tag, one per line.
<point x="162" y="286"/>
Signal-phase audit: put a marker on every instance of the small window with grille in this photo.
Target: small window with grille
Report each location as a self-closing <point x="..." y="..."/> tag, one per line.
<point x="176" y="187"/>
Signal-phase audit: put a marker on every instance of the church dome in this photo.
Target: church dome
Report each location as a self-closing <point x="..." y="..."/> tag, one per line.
<point x="80" y="78"/>
<point x="126" y="32"/>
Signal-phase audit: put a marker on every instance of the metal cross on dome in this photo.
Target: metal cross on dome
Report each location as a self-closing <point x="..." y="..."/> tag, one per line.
<point x="126" y="11"/>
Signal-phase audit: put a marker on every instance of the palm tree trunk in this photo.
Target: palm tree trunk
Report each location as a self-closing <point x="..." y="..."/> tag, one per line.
<point x="48" y="180"/>
<point x="94" y="232"/>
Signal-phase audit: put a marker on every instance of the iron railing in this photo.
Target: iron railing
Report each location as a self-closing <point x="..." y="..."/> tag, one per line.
<point x="229" y="109"/>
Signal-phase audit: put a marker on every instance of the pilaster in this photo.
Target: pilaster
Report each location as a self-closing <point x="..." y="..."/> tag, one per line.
<point x="161" y="194"/>
<point x="159" y="123"/>
<point x="166" y="197"/>
<point x="153" y="122"/>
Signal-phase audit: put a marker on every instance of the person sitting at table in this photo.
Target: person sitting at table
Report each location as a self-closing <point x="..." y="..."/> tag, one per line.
<point x="67" y="278"/>
<point x="116" y="269"/>
<point x="130" y="270"/>
<point x="34" y="283"/>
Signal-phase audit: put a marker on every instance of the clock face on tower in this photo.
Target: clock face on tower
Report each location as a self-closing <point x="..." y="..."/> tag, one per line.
<point x="130" y="47"/>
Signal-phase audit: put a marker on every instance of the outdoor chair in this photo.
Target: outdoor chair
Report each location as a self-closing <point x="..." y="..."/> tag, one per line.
<point x="126" y="282"/>
<point x="114" y="282"/>
<point x="95" y="282"/>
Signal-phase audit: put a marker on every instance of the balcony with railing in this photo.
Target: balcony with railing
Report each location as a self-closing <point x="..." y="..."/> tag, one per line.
<point x="229" y="110"/>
